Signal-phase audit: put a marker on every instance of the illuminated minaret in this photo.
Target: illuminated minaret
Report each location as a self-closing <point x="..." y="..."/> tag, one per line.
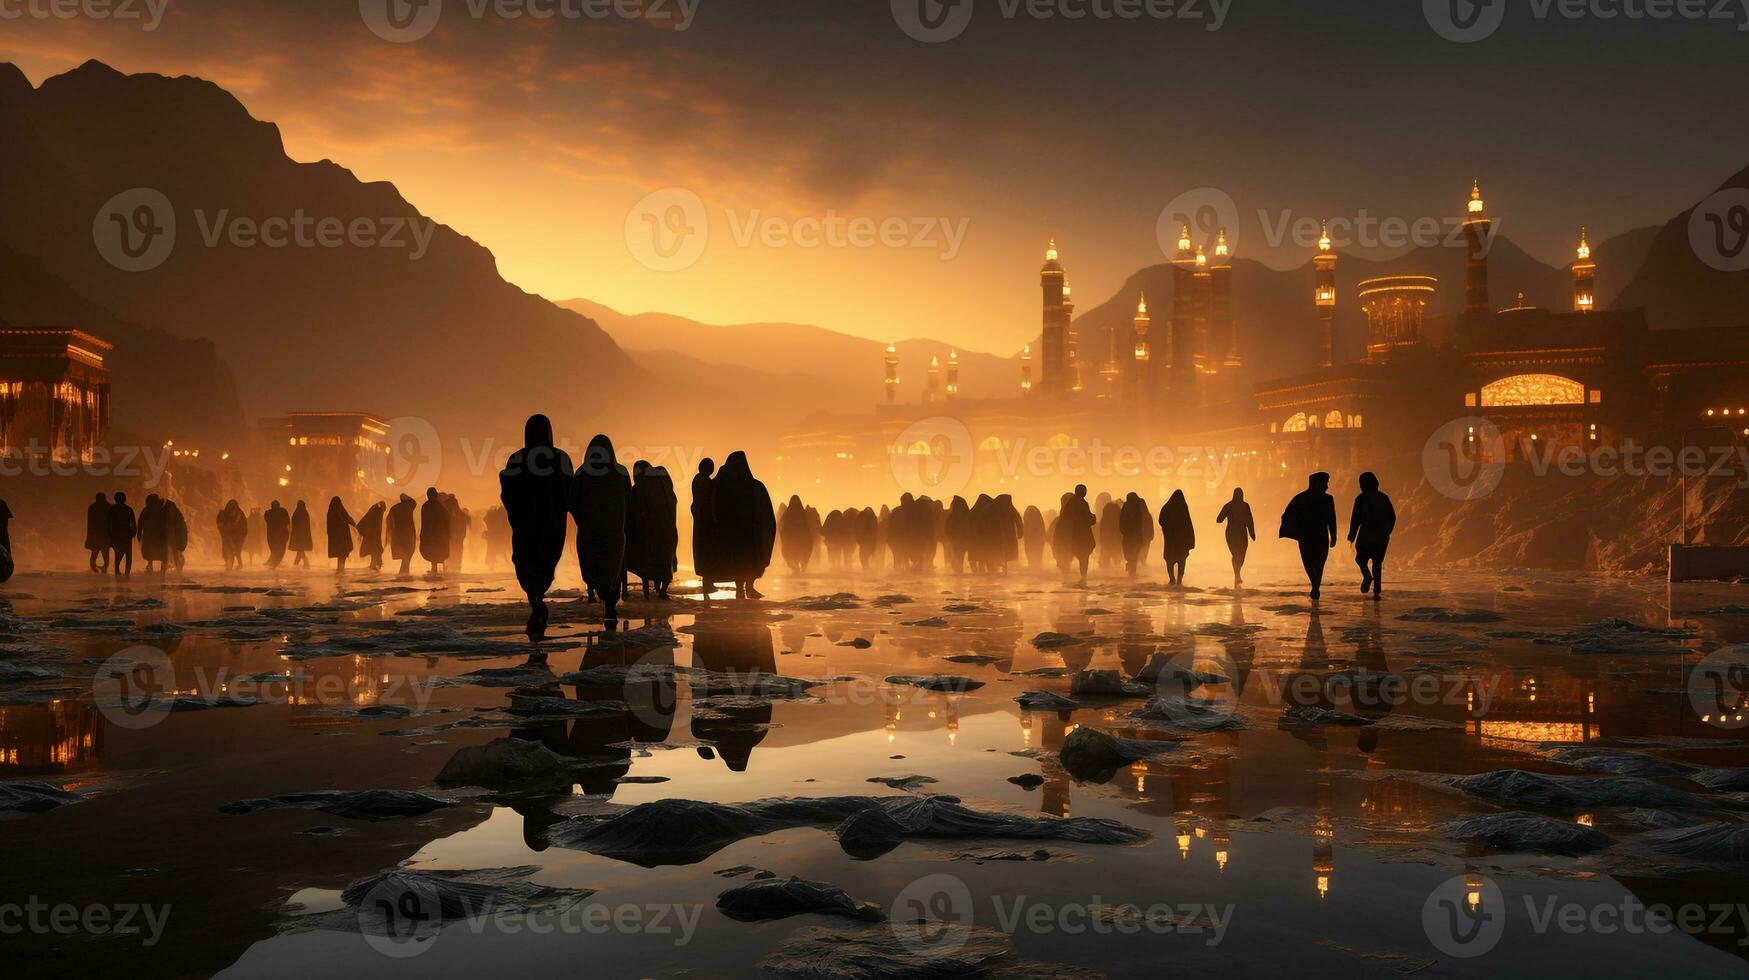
<point x="1324" y="263"/>
<point x="1221" y="304"/>
<point x="1584" y="278"/>
<point x="892" y="374"/>
<point x="1055" y="378"/>
<point x="953" y="375"/>
<point x="1140" y="366"/>
<point x="1183" y="326"/>
<point x="1026" y="369"/>
<point x="1071" y="344"/>
<point x="1111" y="374"/>
<point x="932" y="391"/>
<point x="1478" y="237"/>
<point x="1203" y="283"/>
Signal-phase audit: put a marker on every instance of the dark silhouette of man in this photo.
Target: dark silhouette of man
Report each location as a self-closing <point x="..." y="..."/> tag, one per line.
<point x="277" y="521"/>
<point x="1075" y="539"/>
<point x="403" y="533"/>
<point x="1369" y="530"/>
<point x="97" y="533"/>
<point x="340" y="525"/>
<point x="303" y="538"/>
<point x="657" y="548"/>
<point x="1310" y="519"/>
<point x="704" y="533"/>
<point x="745" y="523"/>
<point x="1241" y="531"/>
<point x="600" y="503"/>
<point x="1135" y="529"/>
<point x="1177" y="536"/>
<point x="535" y="486"/>
<point x="434" y="529"/>
<point x="797" y="535"/>
<point x="122" y="528"/>
<point x="370" y="535"/>
<point x="177" y="526"/>
<point x="154" y="536"/>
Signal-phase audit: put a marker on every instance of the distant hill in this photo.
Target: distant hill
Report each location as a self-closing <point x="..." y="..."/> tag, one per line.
<point x="853" y="367"/>
<point x="347" y="327"/>
<point x="1678" y="289"/>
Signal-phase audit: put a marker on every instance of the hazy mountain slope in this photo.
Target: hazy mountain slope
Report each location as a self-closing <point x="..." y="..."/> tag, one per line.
<point x="1678" y="289"/>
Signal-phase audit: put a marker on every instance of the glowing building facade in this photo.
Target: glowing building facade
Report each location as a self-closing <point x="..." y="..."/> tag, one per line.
<point x="54" y="394"/>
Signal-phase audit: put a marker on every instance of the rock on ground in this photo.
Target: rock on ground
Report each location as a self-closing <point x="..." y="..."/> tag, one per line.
<point x="1093" y="755"/>
<point x="1516" y="787"/>
<point x="1106" y="684"/>
<point x="945" y="683"/>
<point x="1516" y="830"/>
<point x="370" y="804"/>
<point x="34" y="797"/>
<point x="774" y="898"/>
<point x="502" y="762"/>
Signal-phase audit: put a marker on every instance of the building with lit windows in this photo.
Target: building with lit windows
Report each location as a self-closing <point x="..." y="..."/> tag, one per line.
<point x="54" y="394"/>
<point x="330" y="453"/>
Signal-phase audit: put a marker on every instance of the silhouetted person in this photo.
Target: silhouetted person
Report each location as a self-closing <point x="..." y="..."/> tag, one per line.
<point x="1369" y="530"/>
<point x="868" y="538"/>
<point x="654" y="514"/>
<point x="255" y="542"/>
<point x="122" y="529"/>
<point x="959" y="534"/>
<point x="278" y="523"/>
<point x="1075" y="538"/>
<point x="1111" y="552"/>
<point x="1009" y="529"/>
<point x="154" y="535"/>
<point x="601" y="500"/>
<point x="1177" y="536"/>
<point x="232" y="526"/>
<point x="1241" y="531"/>
<point x="97" y="533"/>
<point x="745" y="523"/>
<point x="535" y="487"/>
<point x="340" y="524"/>
<point x="403" y="533"/>
<point x="370" y="535"/>
<point x="1035" y="537"/>
<point x="705" y="547"/>
<point x="177" y="527"/>
<point x="798" y="536"/>
<point x="434" y="529"/>
<point x="1136" y="528"/>
<point x="1310" y="519"/>
<point x="303" y="538"/>
<point x="459" y="521"/>
<point x="497" y="536"/>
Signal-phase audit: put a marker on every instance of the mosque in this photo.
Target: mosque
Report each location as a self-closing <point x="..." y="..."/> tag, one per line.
<point x="1543" y="379"/>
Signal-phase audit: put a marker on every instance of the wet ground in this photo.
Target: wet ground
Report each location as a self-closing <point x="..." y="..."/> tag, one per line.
<point x="1284" y="792"/>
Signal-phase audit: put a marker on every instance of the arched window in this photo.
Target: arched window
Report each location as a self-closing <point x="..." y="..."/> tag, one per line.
<point x="1533" y="389"/>
<point x="1333" y="420"/>
<point x="1295" y="424"/>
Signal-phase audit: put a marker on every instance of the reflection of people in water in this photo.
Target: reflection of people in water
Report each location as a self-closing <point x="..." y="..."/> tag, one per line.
<point x="727" y="647"/>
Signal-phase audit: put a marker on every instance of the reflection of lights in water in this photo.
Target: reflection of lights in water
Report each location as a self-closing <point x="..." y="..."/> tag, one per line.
<point x="1139" y="770"/>
<point x="1585" y="820"/>
<point x="1473" y="884"/>
<point x="1184" y="847"/>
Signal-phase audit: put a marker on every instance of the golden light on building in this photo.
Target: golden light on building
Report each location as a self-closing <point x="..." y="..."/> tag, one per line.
<point x="1221" y="250"/>
<point x="1324" y="236"/>
<point x="1202" y="260"/>
<point x="1051" y="251"/>
<point x="1476" y="205"/>
<point x="1184" y="240"/>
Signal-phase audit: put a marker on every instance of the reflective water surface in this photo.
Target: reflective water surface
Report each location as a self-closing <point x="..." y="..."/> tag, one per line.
<point x="1279" y="843"/>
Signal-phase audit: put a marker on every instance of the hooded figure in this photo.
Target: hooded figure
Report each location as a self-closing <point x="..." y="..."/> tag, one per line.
<point x="1074" y="534"/>
<point x="278" y="522"/>
<point x="1111" y="534"/>
<point x="960" y="535"/>
<point x="154" y="536"/>
<point x="233" y="524"/>
<point x="1135" y="529"/>
<point x="745" y="523"/>
<point x="704" y="528"/>
<point x="798" y="536"/>
<point x="1033" y="530"/>
<point x="654" y="510"/>
<point x="303" y="539"/>
<point x="459" y="520"/>
<point x="370" y="535"/>
<point x="340" y="525"/>
<point x="1177" y="536"/>
<point x="868" y="534"/>
<point x="177" y="526"/>
<point x="535" y="488"/>
<point x="1369" y="529"/>
<point x="434" y="529"/>
<point x="1241" y="531"/>
<point x="122" y="528"/>
<point x="403" y="532"/>
<point x="601" y="500"/>
<point x="97" y="532"/>
<point x="1310" y="519"/>
<point x="1010" y="529"/>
